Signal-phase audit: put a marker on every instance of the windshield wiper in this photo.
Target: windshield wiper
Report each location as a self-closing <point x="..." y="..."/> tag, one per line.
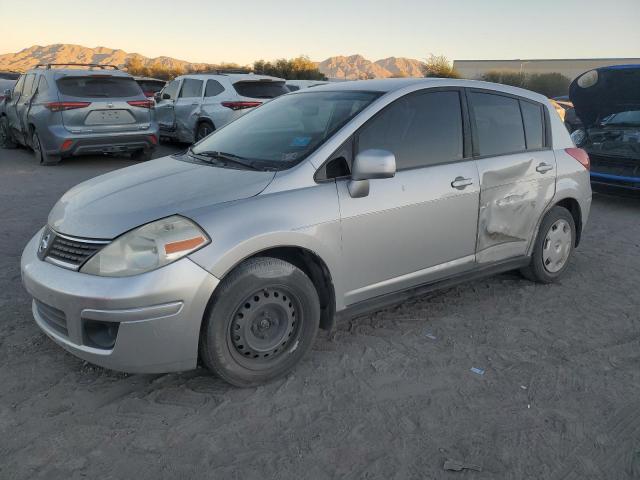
<point x="228" y="158"/>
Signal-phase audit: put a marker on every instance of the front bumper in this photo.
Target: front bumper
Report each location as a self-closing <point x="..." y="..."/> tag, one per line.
<point x="615" y="171"/>
<point x="158" y="313"/>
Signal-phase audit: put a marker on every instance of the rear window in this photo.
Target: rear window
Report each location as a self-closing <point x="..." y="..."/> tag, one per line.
<point x="260" y="89"/>
<point x="9" y="75"/>
<point x="99" y="86"/>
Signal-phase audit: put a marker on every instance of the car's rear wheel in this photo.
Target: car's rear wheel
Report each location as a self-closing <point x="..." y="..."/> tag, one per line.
<point x="263" y="319"/>
<point x="553" y="247"/>
<point x="204" y="129"/>
<point x="142" y="155"/>
<point x="6" y="139"/>
<point x="40" y="154"/>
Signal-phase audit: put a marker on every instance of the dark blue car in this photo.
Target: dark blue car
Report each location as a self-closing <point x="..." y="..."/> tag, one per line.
<point x="607" y="100"/>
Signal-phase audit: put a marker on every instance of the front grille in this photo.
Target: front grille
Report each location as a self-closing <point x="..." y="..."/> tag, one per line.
<point x="53" y="317"/>
<point x="68" y="252"/>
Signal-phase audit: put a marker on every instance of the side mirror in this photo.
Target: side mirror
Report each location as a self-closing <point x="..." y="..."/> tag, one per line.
<point x="370" y="165"/>
<point x="7" y="93"/>
<point x="166" y="96"/>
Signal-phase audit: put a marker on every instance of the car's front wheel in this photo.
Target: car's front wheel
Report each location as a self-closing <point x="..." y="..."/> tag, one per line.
<point x="263" y="319"/>
<point x="553" y="246"/>
<point x="6" y="139"/>
<point x="204" y="129"/>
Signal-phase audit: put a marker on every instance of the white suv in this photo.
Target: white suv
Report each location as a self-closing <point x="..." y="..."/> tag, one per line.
<point x="192" y="106"/>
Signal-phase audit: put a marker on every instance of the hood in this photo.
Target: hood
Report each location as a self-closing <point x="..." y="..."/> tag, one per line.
<point x="111" y="204"/>
<point x="601" y="92"/>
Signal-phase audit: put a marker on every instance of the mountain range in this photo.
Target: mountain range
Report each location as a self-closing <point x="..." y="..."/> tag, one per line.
<point x="341" y="67"/>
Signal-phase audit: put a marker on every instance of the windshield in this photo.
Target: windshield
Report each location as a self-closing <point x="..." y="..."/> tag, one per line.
<point x="631" y="118"/>
<point x="287" y="129"/>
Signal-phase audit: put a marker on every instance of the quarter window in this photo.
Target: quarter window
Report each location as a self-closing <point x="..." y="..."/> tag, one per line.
<point x="213" y="88"/>
<point x="191" y="88"/>
<point x="533" y="121"/>
<point x="420" y="130"/>
<point x="498" y="124"/>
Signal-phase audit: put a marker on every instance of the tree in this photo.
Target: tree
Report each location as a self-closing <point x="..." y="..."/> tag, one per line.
<point x="299" y="68"/>
<point x="514" y="79"/>
<point x="439" y="66"/>
<point x="548" y="84"/>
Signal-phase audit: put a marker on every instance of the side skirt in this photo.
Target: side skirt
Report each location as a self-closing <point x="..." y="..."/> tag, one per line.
<point x="383" y="301"/>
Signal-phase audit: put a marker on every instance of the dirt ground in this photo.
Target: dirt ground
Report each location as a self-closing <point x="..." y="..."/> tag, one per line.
<point x="388" y="396"/>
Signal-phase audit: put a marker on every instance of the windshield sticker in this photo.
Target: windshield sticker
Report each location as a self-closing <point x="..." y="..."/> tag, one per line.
<point x="288" y="156"/>
<point x="300" y="141"/>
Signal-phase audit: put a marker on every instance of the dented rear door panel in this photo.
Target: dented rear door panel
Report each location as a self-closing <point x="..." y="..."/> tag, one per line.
<point x="515" y="190"/>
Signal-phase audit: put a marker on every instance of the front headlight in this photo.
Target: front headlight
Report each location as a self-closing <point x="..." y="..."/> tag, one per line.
<point x="578" y="137"/>
<point x="147" y="247"/>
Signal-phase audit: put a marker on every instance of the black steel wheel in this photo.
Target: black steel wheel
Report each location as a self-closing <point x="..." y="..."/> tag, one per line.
<point x="262" y="320"/>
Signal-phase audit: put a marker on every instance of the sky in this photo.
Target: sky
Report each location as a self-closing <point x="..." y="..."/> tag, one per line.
<point x="242" y="31"/>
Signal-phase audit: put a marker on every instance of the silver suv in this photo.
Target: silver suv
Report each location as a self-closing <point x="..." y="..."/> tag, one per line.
<point x="82" y="109"/>
<point x="192" y="106"/>
<point x="323" y="203"/>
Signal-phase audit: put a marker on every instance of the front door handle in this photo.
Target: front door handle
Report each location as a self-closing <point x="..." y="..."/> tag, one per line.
<point x="461" y="183"/>
<point x="543" y="167"/>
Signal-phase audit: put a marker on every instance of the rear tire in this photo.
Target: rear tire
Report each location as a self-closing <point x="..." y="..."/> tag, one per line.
<point x="40" y="155"/>
<point x="6" y="139"/>
<point x="204" y="129"/>
<point x="263" y="318"/>
<point x="553" y="247"/>
<point x="143" y="155"/>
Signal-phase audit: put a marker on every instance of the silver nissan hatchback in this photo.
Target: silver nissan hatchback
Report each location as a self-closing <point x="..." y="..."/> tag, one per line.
<point x="321" y="204"/>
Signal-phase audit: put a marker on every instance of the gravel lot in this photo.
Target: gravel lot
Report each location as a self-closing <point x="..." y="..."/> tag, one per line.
<point x="379" y="399"/>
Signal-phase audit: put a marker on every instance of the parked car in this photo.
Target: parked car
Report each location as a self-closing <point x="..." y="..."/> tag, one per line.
<point x="323" y="203"/>
<point x="7" y="81"/>
<point x="608" y="102"/>
<point x="571" y="120"/>
<point x="295" y="85"/>
<point x="150" y="86"/>
<point x="87" y="109"/>
<point x="192" y="106"/>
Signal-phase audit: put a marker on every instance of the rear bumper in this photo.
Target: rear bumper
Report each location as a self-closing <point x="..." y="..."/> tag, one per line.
<point x="156" y="315"/>
<point x="59" y="141"/>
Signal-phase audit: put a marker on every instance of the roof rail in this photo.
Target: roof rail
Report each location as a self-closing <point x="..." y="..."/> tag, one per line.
<point x="90" y="65"/>
<point x="221" y="71"/>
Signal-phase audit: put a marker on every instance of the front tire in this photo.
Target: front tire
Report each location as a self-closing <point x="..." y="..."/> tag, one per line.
<point x="263" y="319"/>
<point x="204" y="129"/>
<point x="553" y="247"/>
<point x="6" y="139"/>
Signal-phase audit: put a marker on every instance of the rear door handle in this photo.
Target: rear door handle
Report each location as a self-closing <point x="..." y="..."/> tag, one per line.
<point x="543" y="167"/>
<point x="461" y="183"/>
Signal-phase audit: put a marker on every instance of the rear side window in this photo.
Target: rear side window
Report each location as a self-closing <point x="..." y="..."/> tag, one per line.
<point x="420" y="130"/>
<point x="260" y="89"/>
<point x="533" y="124"/>
<point x="28" y="84"/>
<point x="191" y="88"/>
<point x="498" y="124"/>
<point x="99" y="86"/>
<point x="213" y="88"/>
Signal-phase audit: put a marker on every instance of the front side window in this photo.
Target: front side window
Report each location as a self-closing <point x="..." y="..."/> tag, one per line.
<point x="498" y="124"/>
<point x="286" y="130"/>
<point x="98" y="86"/>
<point x="171" y="89"/>
<point x="420" y="130"/>
<point x="28" y="84"/>
<point x="191" y="88"/>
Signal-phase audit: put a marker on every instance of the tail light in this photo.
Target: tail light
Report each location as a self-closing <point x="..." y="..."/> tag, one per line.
<point x="66" y="145"/>
<point x="60" y="106"/>
<point x="580" y="155"/>
<point x="153" y="139"/>
<point x="141" y="103"/>
<point x="241" y="105"/>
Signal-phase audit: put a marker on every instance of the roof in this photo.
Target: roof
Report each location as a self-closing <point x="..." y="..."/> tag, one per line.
<point x="388" y="85"/>
<point x="149" y="79"/>
<point x="232" y="76"/>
